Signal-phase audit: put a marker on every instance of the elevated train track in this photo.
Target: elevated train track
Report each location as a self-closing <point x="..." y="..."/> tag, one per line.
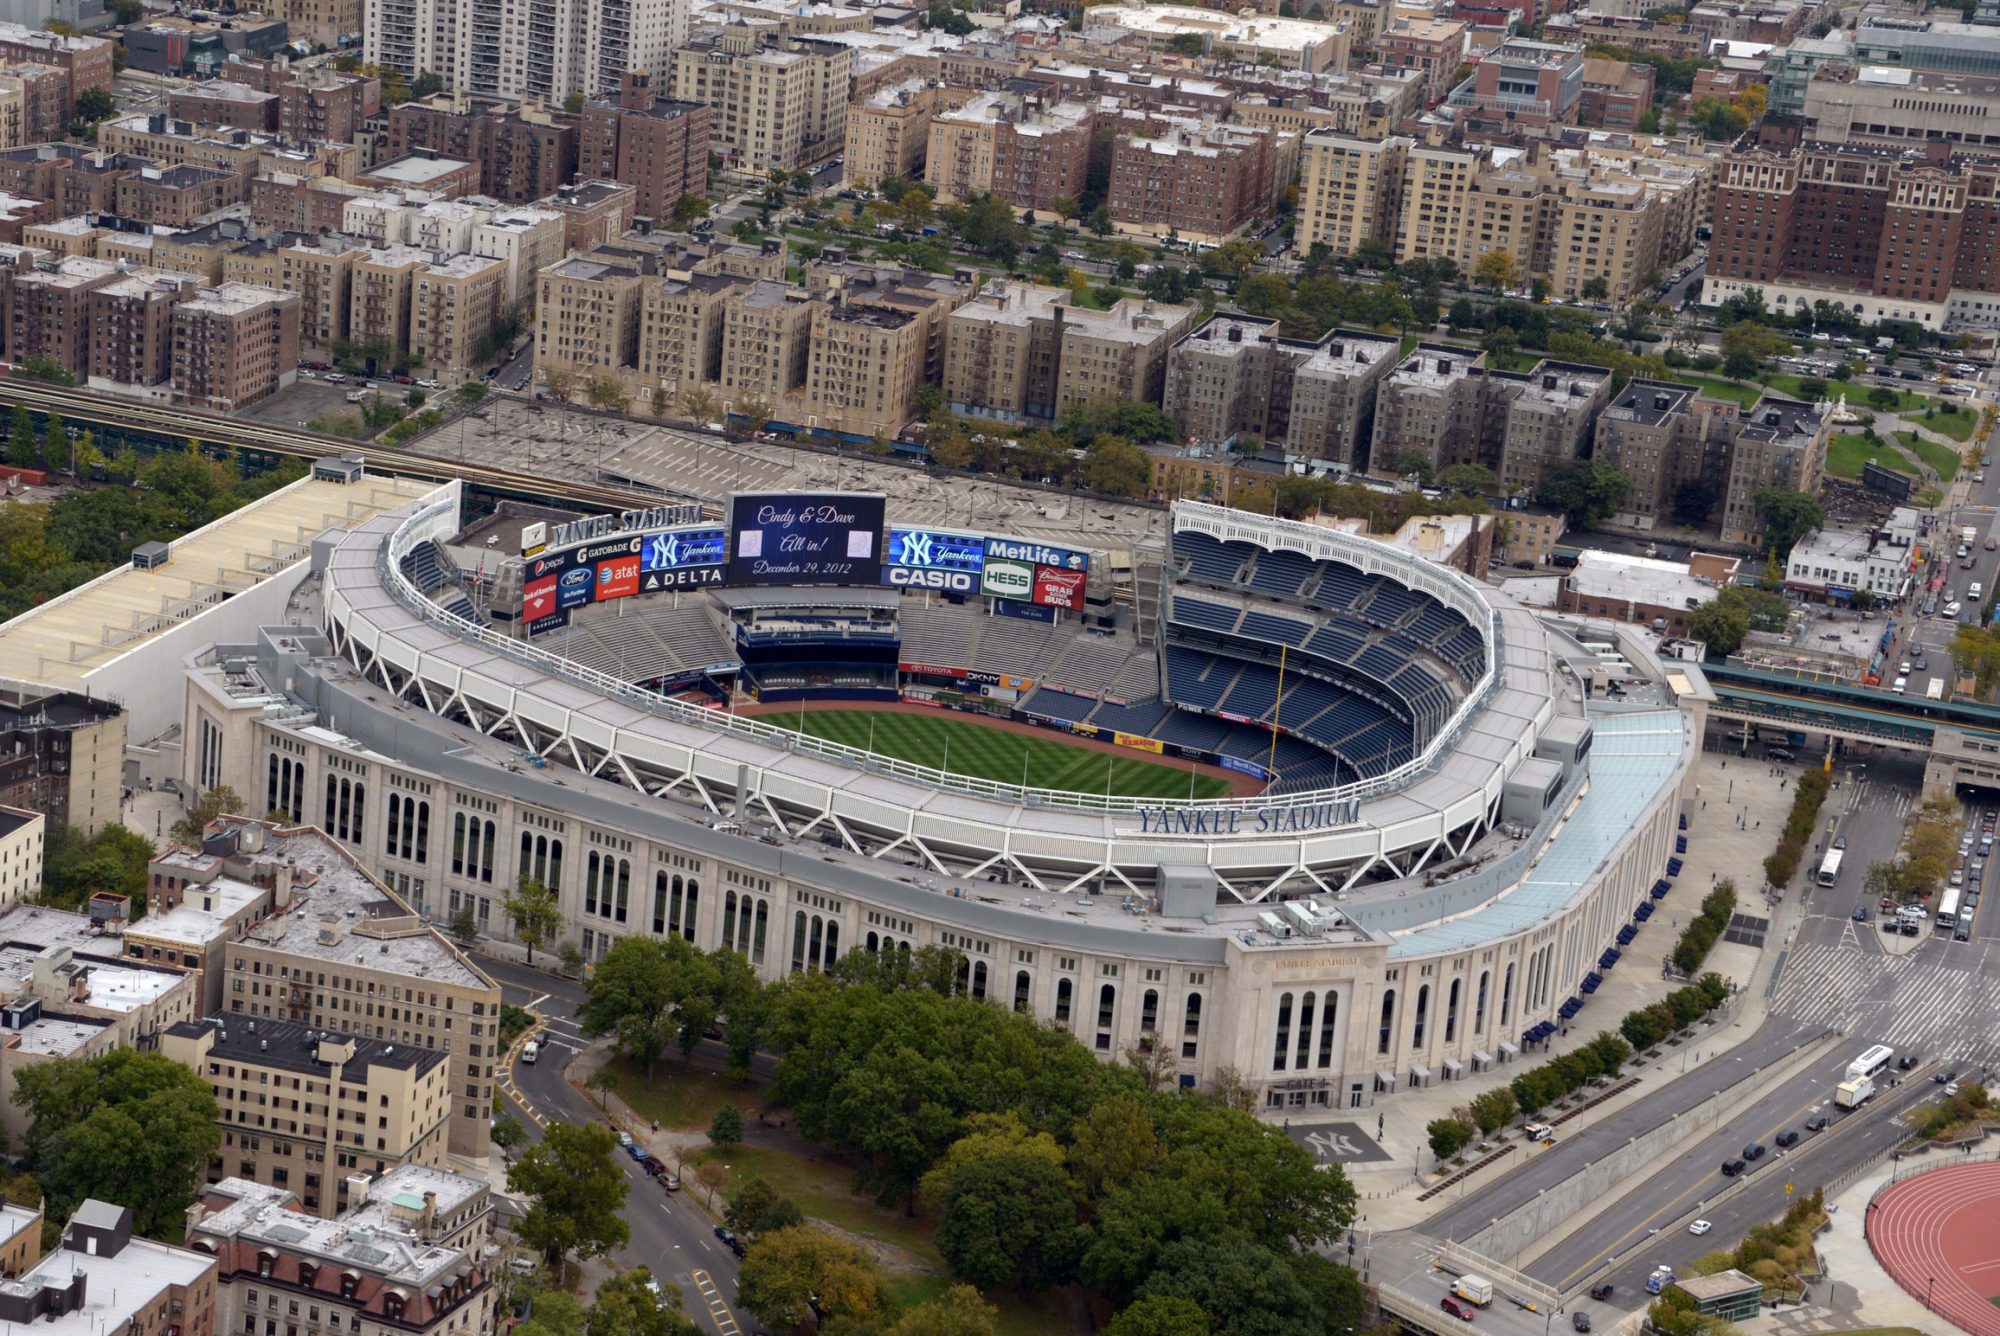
<point x="173" y="422"/>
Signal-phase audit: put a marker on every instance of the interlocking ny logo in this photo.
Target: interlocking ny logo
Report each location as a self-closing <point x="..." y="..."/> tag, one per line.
<point x="917" y="549"/>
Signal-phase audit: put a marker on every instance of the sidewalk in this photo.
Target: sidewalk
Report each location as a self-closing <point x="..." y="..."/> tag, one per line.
<point x="1716" y="849"/>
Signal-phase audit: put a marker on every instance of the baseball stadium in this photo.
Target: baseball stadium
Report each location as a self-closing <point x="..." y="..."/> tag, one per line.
<point x="1322" y="810"/>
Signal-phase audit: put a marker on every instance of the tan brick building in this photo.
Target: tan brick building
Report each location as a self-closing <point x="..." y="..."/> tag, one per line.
<point x="380" y="295"/>
<point x="680" y="334"/>
<point x="866" y="365"/>
<point x="86" y="62"/>
<point x="290" y="1098"/>
<point x="586" y="318"/>
<point x="1237" y="377"/>
<point x="1014" y="145"/>
<point x="524" y="153"/>
<point x="234" y="346"/>
<point x="132" y="327"/>
<point x="178" y="196"/>
<point x="104" y="1278"/>
<point x="775" y="103"/>
<point x="766" y="332"/>
<point x="48" y="312"/>
<point x="45" y="100"/>
<point x="1350" y="190"/>
<point x="1020" y="351"/>
<point x="888" y="133"/>
<point x="594" y="213"/>
<point x="454" y="306"/>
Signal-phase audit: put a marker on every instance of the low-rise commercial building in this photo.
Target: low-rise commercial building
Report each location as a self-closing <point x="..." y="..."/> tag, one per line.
<point x="1254" y="39"/>
<point x="1836" y="564"/>
<point x="1646" y="591"/>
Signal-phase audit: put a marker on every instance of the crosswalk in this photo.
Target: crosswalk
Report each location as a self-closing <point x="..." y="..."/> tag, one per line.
<point x="1938" y="1003"/>
<point x="717" y="1306"/>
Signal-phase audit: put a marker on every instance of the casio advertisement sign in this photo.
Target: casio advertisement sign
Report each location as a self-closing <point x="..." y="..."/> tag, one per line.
<point x="934" y="559"/>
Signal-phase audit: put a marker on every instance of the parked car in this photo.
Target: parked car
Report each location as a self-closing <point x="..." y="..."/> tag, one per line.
<point x="1731" y="1168"/>
<point x="637" y="1152"/>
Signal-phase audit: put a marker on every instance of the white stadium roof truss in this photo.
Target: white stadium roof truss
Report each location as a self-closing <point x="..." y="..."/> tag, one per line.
<point x="571" y="716"/>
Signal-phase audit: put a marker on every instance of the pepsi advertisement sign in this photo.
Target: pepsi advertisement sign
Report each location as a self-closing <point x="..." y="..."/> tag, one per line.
<point x="805" y="538"/>
<point x="682" y="559"/>
<point x="934" y="559"/>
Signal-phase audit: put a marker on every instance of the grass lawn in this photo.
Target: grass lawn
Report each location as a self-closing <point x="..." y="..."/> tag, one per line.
<point x="1716" y="388"/>
<point x="822" y="1191"/>
<point x="1942" y="458"/>
<point x="1845" y="454"/>
<point x="680" y="1097"/>
<point x="964" y="747"/>
<point x="1906" y="401"/>
<point x="1037" y="1316"/>
<point x="1958" y="425"/>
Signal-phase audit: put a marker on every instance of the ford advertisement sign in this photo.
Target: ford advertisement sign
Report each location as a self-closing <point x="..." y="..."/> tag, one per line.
<point x="934" y="559"/>
<point x="575" y="586"/>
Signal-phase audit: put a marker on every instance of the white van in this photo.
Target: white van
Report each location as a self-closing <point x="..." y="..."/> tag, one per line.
<point x="1902" y="684"/>
<point x="530" y="1051"/>
<point x="1973" y="593"/>
<point x="1951" y="608"/>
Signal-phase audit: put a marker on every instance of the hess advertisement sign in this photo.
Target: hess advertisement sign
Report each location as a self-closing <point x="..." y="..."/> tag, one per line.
<point x="1008" y="579"/>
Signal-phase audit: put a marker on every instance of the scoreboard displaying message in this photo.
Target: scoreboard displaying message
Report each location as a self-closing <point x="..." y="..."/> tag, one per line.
<point x="795" y="538"/>
<point x="805" y="538"/>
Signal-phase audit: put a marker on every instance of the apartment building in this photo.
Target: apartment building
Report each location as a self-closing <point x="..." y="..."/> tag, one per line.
<point x="767" y="332"/>
<point x="593" y="213"/>
<point x="305" y="1110"/>
<point x="171" y="143"/>
<point x="527" y="240"/>
<point x="410" y="1254"/>
<point x="132" y="328"/>
<point x="1522" y="83"/>
<point x="889" y="132"/>
<point x="13" y="111"/>
<point x="382" y="293"/>
<point x="426" y="171"/>
<point x="1350" y="190"/>
<point x="320" y="272"/>
<point x="1231" y="379"/>
<point x="178" y="197"/>
<point x="1549" y="422"/>
<point x="1437" y="189"/>
<point x="62" y="754"/>
<point x="1203" y="182"/>
<point x="865" y="367"/>
<point x="1369" y="104"/>
<point x="455" y="303"/>
<point x="775" y="103"/>
<point x="1019" y="351"/>
<point x="234" y="345"/>
<point x="74" y="180"/>
<point x="1640" y="36"/>
<point x="21" y="832"/>
<point x="523" y="152"/>
<point x="1434" y="403"/>
<point x="314" y="101"/>
<point x="1894" y="234"/>
<point x="48" y="311"/>
<point x="1779" y="443"/>
<point x="45" y="100"/>
<point x="680" y="335"/>
<point x="1253" y="39"/>
<point x="322" y="22"/>
<point x="1434" y="48"/>
<point x="1505" y="209"/>
<point x="656" y="145"/>
<point x="1616" y="93"/>
<point x="287" y="918"/>
<point x="104" y="1279"/>
<point x="544" y="50"/>
<point x="223" y="102"/>
<point x="1028" y="151"/>
<point x="1334" y="393"/>
<point x="86" y="62"/>
<point x="586" y="318"/>
<point x="1653" y="433"/>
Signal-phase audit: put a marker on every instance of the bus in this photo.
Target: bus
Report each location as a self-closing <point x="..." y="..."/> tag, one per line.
<point x="1829" y="871"/>
<point x="1869" y="1063"/>
<point x="1947" y="915"/>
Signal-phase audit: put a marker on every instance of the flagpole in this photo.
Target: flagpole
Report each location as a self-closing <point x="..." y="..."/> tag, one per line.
<point x="1278" y="706"/>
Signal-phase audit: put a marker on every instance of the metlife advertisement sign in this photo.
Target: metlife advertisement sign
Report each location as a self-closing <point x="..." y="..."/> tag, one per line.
<point x="934" y="559"/>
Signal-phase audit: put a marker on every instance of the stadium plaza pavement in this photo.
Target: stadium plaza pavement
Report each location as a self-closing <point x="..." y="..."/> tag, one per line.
<point x="1716" y="849"/>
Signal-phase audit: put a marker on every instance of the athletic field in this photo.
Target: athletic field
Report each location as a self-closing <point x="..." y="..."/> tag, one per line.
<point x="963" y="746"/>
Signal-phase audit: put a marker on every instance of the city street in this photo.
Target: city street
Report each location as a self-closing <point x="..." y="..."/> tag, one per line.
<point x="671" y="1234"/>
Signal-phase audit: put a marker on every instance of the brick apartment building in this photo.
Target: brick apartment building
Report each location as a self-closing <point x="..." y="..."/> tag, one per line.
<point x="86" y="62"/>
<point x="45" y="101"/>
<point x="1028" y="151"/>
<point x="523" y="153"/>
<point x="657" y="145"/>
<point x="234" y="346"/>
<point x="177" y="197"/>
<point x="132" y="327"/>
<point x="1204" y="182"/>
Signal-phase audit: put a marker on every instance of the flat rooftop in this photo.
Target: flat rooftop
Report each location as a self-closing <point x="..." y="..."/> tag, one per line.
<point x="378" y="1237"/>
<point x="1649" y="580"/>
<point x="115" y="1289"/>
<point x="65" y="640"/>
<point x="282" y="1044"/>
<point x="417" y="169"/>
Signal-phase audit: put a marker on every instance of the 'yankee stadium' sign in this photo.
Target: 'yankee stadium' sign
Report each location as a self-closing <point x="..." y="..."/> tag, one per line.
<point x="1303" y="819"/>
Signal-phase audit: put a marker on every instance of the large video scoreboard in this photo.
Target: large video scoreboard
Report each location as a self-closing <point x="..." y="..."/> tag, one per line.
<point x="795" y="539"/>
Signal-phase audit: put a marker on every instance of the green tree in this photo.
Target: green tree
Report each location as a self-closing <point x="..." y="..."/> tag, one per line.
<point x="21" y="441"/>
<point x="631" y="1303"/>
<point x="1788" y="516"/>
<point x="792" y="1274"/>
<point x="534" y="911"/>
<point x="959" y="1311"/>
<point x="1694" y="500"/>
<point x="1009" y="1218"/>
<point x="1448" y="1136"/>
<point x="1416" y="462"/>
<point x="1162" y="1315"/>
<point x="1500" y="342"/>
<point x="1720" y="626"/>
<point x="757" y="1209"/>
<point x="94" y="105"/>
<point x="1589" y="491"/>
<point x="218" y="801"/>
<point x="1747" y="346"/>
<point x="1493" y="1109"/>
<point x="74" y="865"/>
<point x="1116" y="467"/>
<point x="1471" y="479"/>
<point x="755" y="412"/>
<point x="1244" y="1286"/>
<point x="605" y="392"/>
<point x="134" y="1128"/>
<point x="573" y="104"/>
<point x="575" y="1192"/>
<point x="1596" y="288"/>
<point x="726" y="1128"/>
<point x="1496" y="271"/>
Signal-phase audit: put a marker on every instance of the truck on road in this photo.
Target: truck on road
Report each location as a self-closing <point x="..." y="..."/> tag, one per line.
<point x="530" y="1051"/>
<point x="1473" y="1289"/>
<point x="1853" y="1094"/>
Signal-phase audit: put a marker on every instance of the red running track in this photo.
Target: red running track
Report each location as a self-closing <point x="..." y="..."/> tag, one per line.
<point x="1944" y="1223"/>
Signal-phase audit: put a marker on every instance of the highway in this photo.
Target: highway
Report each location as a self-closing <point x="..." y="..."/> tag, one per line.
<point x="671" y="1235"/>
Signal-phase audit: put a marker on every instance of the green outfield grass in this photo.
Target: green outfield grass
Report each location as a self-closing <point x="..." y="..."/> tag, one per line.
<point x="978" y="751"/>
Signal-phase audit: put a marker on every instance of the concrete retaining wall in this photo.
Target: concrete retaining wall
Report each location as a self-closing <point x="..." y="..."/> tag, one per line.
<point x="1556" y="1211"/>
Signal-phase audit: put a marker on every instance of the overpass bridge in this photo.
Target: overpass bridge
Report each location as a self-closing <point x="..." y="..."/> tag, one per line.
<point x="1961" y="739"/>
